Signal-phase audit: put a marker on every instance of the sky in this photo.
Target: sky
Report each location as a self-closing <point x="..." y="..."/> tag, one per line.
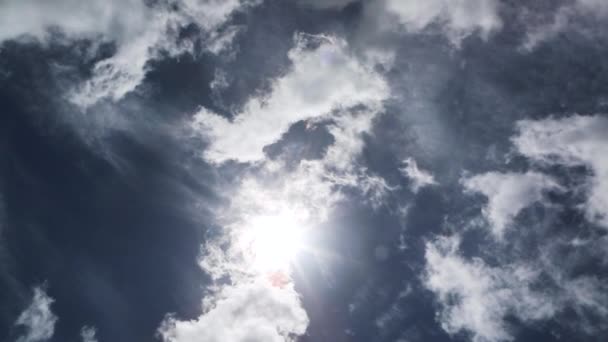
<point x="303" y="170"/>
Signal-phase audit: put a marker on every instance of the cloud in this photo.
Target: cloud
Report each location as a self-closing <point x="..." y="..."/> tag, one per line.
<point x="419" y="178"/>
<point x="323" y="79"/>
<point x="88" y="334"/>
<point x="477" y="298"/>
<point x="564" y="18"/>
<point x="459" y="18"/>
<point x="325" y="86"/>
<point x="508" y="194"/>
<point x="134" y="27"/>
<point x="306" y="195"/>
<point x="139" y="30"/>
<point x="255" y="312"/>
<point x="121" y="73"/>
<point x="481" y="299"/>
<point x="572" y="141"/>
<point x="75" y="18"/>
<point x="38" y="319"/>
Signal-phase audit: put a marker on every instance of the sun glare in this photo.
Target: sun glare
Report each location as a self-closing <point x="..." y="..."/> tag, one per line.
<point x="272" y="242"/>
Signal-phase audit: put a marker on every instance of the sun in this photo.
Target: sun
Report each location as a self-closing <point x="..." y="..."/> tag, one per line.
<point x="272" y="242"/>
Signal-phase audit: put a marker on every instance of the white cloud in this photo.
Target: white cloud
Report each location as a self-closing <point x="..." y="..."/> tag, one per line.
<point x="321" y="80"/>
<point x="571" y="141"/>
<point x="138" y="30"/>
<point x="88" y="334"/>
<point x="120" y="74"/>
<point x="476" y="298"/>
<point x="306" y="195"/>
<point x="134" y="27"/>
<point x="419" y="178"/>
<point x="38" y="319"/>
<point x="459" y="18"/>
<point x="324" y="82"/>
<point x="255" y="312"/>
<point x="508" y="194"/>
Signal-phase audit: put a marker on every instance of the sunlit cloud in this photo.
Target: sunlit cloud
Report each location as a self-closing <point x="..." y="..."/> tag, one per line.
<point x="274" y="208"/>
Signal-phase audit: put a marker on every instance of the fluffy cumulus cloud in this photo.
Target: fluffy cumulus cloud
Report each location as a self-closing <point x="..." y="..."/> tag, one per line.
<point x="508" y="194"/>
<point x="38" y="319"/>
<point x="140" y="30"/>
<point x="255" y="312"/>
<point x="476" y="297"/>
<point x="572" y="141"/>
<point x="322" y="80"/>
<point x="459" y="18"/>
<point x="419" y="178"/>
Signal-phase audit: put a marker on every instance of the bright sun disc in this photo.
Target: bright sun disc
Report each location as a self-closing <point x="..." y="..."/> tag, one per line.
<point x="273" y="242"/>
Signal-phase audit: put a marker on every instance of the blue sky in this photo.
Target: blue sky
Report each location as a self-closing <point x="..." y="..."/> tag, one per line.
<point x="303" y="170"/>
